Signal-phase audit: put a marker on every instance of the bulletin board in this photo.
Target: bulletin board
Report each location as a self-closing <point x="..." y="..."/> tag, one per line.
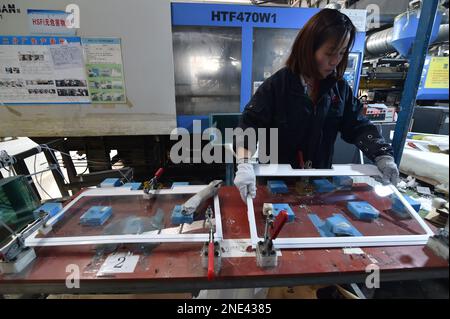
<point x="43" y="70"/>
<point x="134" y="97"/>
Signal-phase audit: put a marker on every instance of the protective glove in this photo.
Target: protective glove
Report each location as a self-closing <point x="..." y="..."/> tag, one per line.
<point x="388" y="168"/>
<point x="245" y="180"/>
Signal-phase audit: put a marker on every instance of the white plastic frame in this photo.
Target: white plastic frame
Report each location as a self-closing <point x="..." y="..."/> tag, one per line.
<point x="342" y="242"/>
<point x="336" y="170"/>
<point x="147" y="237"/>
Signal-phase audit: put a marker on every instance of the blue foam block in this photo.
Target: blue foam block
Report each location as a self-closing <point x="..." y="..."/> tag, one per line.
<point x="399" y="209"/>
<point x="334" y="226"/>
<point x="363" y="210"/>
<point x="178" y="218"/>
<point x="277" y="187"/>
<point x="414" y="203"/>
<point x="343" y="182"/>
<point x="323" y="185"/>
<point x="110" y="182"/>
<point x="277" y="208"/>
<point x="175" y="184"/>
<point x="50" y="208"/>
<point x="132" y="186"/>
<point x="96" y="215"/>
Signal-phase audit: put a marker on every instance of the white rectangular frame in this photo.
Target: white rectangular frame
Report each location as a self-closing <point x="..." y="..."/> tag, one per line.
<point x="338" y="242"/>
<point x="147" y="237"/>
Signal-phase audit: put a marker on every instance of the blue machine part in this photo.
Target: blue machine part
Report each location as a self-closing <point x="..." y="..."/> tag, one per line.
<point x="132" y="186"/>
<point x="399" y="209"/>
<point x="323" y="185"/>
<point x="277" y="187"/>
<point x="363" y="210"/>
<point x="405" y="30"/>
<point x="424" y="30"/>
<point x="277" y="208"/>
<point x="343" y="182"/>
<point x="178" y="217"/>
<point x="175" y="184"/>
<point x="110" y="182"/>
<point x="334" y="226"/>
<point x="50" y="208"/>
<point x="433" y="93"/>
<point x="248" y="18"/>
<point x="96" y="216"/>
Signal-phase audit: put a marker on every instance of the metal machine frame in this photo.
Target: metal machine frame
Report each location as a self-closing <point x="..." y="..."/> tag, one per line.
<point x="248" y="18"/>
<point x="342" y="242"/>
<point x="148" y="237"/>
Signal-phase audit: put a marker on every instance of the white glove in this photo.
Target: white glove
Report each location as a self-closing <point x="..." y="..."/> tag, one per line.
<point x="388" y="168"/>
<point x="245" y="181"/>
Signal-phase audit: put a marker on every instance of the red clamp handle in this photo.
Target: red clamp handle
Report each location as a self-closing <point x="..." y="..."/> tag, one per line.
<point x="280" y="220"/>
<point x="211" y="260"/>
<point x="159" y="172"/>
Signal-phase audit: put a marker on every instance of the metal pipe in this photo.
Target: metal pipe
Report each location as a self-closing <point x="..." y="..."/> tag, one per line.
<point x="379" y="43"/>
<point x="443" y="33"/>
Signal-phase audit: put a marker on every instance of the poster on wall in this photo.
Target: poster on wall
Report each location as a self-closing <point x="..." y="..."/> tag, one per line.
<point x="104" y="69"/>
<point x="53" y="22"/>
<point x="42" y="70"/>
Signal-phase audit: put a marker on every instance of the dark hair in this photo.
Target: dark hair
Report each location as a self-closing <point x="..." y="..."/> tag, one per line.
<point x="324" y="25"/>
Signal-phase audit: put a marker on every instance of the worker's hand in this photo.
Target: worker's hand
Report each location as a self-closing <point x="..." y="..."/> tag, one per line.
<point x="388" y="168"/>
<point x="245" y="180"/>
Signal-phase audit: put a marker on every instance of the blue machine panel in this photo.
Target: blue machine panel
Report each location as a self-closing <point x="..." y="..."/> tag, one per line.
<point x="426" y="91"/>
<point x="248" y="19"/>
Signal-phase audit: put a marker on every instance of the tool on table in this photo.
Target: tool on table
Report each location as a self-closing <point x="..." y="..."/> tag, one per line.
<point x="153" y="182"/>
<point x="185" y="213"/>
<point x="193" y="203"/>
<point x="266" y="254"/>
<point x="14" y="255"/>
<point x="211" y="255"/>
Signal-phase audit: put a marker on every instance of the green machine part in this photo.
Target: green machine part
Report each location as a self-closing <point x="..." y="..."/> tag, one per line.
<point x="17" y="203"/>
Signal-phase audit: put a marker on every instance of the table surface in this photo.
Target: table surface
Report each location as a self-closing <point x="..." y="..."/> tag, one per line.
<point x="173" y="267"/>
